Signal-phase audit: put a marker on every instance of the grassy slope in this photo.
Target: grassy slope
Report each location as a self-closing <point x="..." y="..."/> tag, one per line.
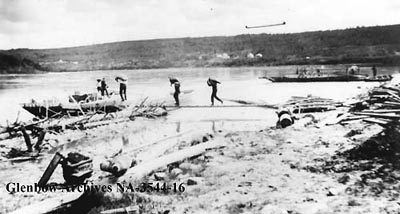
<point x="15" y="64"/>
<point x="379" y="44"/>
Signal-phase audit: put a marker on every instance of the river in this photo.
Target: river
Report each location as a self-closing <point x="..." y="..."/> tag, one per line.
<point x="241" y="83"/>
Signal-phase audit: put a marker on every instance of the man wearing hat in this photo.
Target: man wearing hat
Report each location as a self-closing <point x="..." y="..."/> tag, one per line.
<point x="213" y="84"/>
<point x="177" y="91"/>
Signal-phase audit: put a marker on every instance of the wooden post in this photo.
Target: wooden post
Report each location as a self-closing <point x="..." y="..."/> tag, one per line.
<point x="40" y="140"/>
<point x="77" y="104"/>
<point x="26" y="138"/>
<point x="50" y="169"/>
<point x="47" y="109"/>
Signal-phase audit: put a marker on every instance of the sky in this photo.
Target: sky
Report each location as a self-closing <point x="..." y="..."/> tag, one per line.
<point x="69" y="23"/>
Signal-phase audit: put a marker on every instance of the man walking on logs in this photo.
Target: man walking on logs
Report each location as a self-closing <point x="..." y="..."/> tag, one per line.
<point x="177" y="91"/>
<point x="213" y="84"/>
<point x="123" y="81"/>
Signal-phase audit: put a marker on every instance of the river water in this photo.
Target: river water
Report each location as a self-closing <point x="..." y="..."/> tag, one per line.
<point x="237" y="83"/>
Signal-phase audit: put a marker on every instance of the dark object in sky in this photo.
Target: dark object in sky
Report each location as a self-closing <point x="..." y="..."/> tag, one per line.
<point x="261" y="26"/>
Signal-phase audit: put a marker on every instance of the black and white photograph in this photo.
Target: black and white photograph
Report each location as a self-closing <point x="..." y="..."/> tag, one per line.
<point x="199" y="106"/>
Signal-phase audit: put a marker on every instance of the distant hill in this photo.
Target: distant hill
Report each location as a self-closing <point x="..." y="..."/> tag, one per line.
<point x="11" y="64"/>
<point x="380" y="44"/>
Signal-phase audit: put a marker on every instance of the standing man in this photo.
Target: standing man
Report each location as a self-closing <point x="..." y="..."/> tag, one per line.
<point x="98" y="85"/>
<point x="104" y="87"/>
<point x="213" y="84"/>
<point x="374" y="71"/>
<point x="123" y="81"/>
<point x="177" y="91"/>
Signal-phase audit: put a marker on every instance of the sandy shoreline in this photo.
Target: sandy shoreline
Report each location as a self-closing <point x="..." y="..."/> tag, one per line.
<point x="262" y="170"/>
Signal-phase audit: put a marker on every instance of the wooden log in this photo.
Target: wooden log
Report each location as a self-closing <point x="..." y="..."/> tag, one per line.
<point x="387" y="116"/>
<point x="392" y="103"/>
<point x="394" y="95"/>
<point x="350" y="121"/>
<point x="377" y="121"/>
<point x="391" y="88"/>
<point x="27" y="139"/>
<point x="356" y="117"/>
<point x="21" y="159"/>
<point x="50" y="169"/>
<point x="3" y="130"/>
<point x="143" y="169"/>
<point x="105" y="122"/>
<point x="40" y="140"/>
<point x="77" y="105"/>
<point x="382" y="111"/>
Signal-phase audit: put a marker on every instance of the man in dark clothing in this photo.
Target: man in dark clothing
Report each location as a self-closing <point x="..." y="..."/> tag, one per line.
<point x="213" y="84"/>
<point x="99" y="85"/>
<point x="122" y="86"/>
<point x="177" y="91"/>
<point x="104" y="87"/>
<point x="374" y="71"/>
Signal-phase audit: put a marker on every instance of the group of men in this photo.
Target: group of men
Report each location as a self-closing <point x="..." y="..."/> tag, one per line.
<point x="123" y="81"/>
<point x="102" y="87"/>
<point x="210" y="82"/>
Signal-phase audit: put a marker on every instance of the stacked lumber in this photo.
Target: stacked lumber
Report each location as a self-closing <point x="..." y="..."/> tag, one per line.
<point x="311" y="104"/>
<point x="381" y="105"/>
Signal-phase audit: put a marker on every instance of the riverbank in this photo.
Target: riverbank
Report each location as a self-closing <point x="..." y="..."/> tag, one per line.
<point x="261" y="170"/>
<point x="271" y="171"/>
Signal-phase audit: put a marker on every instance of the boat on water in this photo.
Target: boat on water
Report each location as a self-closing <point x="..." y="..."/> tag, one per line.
<point x="329" y="78"/>
<point x="379" y="78"/>
<point x="324" y="75"/>
<point x="77" y="105"/>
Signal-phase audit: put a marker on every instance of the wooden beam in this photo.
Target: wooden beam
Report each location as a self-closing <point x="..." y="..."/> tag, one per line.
<point x="387" y="116"/>
<point x="143" y="169"/>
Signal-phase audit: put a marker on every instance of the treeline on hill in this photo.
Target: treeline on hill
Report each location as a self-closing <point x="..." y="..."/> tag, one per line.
<point x="12" y="64"/>
<point x="380" y="44"/>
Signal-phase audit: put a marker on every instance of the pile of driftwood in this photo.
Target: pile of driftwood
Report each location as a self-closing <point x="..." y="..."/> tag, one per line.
<point x="161" y="155"/>
<point x="310" y="104"/>
<point x="381" y="105"/>
<point x="39" y="128"/>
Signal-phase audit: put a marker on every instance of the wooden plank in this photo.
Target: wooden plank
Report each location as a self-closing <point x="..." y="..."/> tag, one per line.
<point x="105" y="122"/>
<point x="388" y="116"/>
<point x="143" y="169"/>
<point x="383" y="111"/>
<point x="392" y="103"/>
<point x="374" y="120"/>
<point x="354" y="118"/>
<point x="77" y="105"/>
<point x="50" y="169"/>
